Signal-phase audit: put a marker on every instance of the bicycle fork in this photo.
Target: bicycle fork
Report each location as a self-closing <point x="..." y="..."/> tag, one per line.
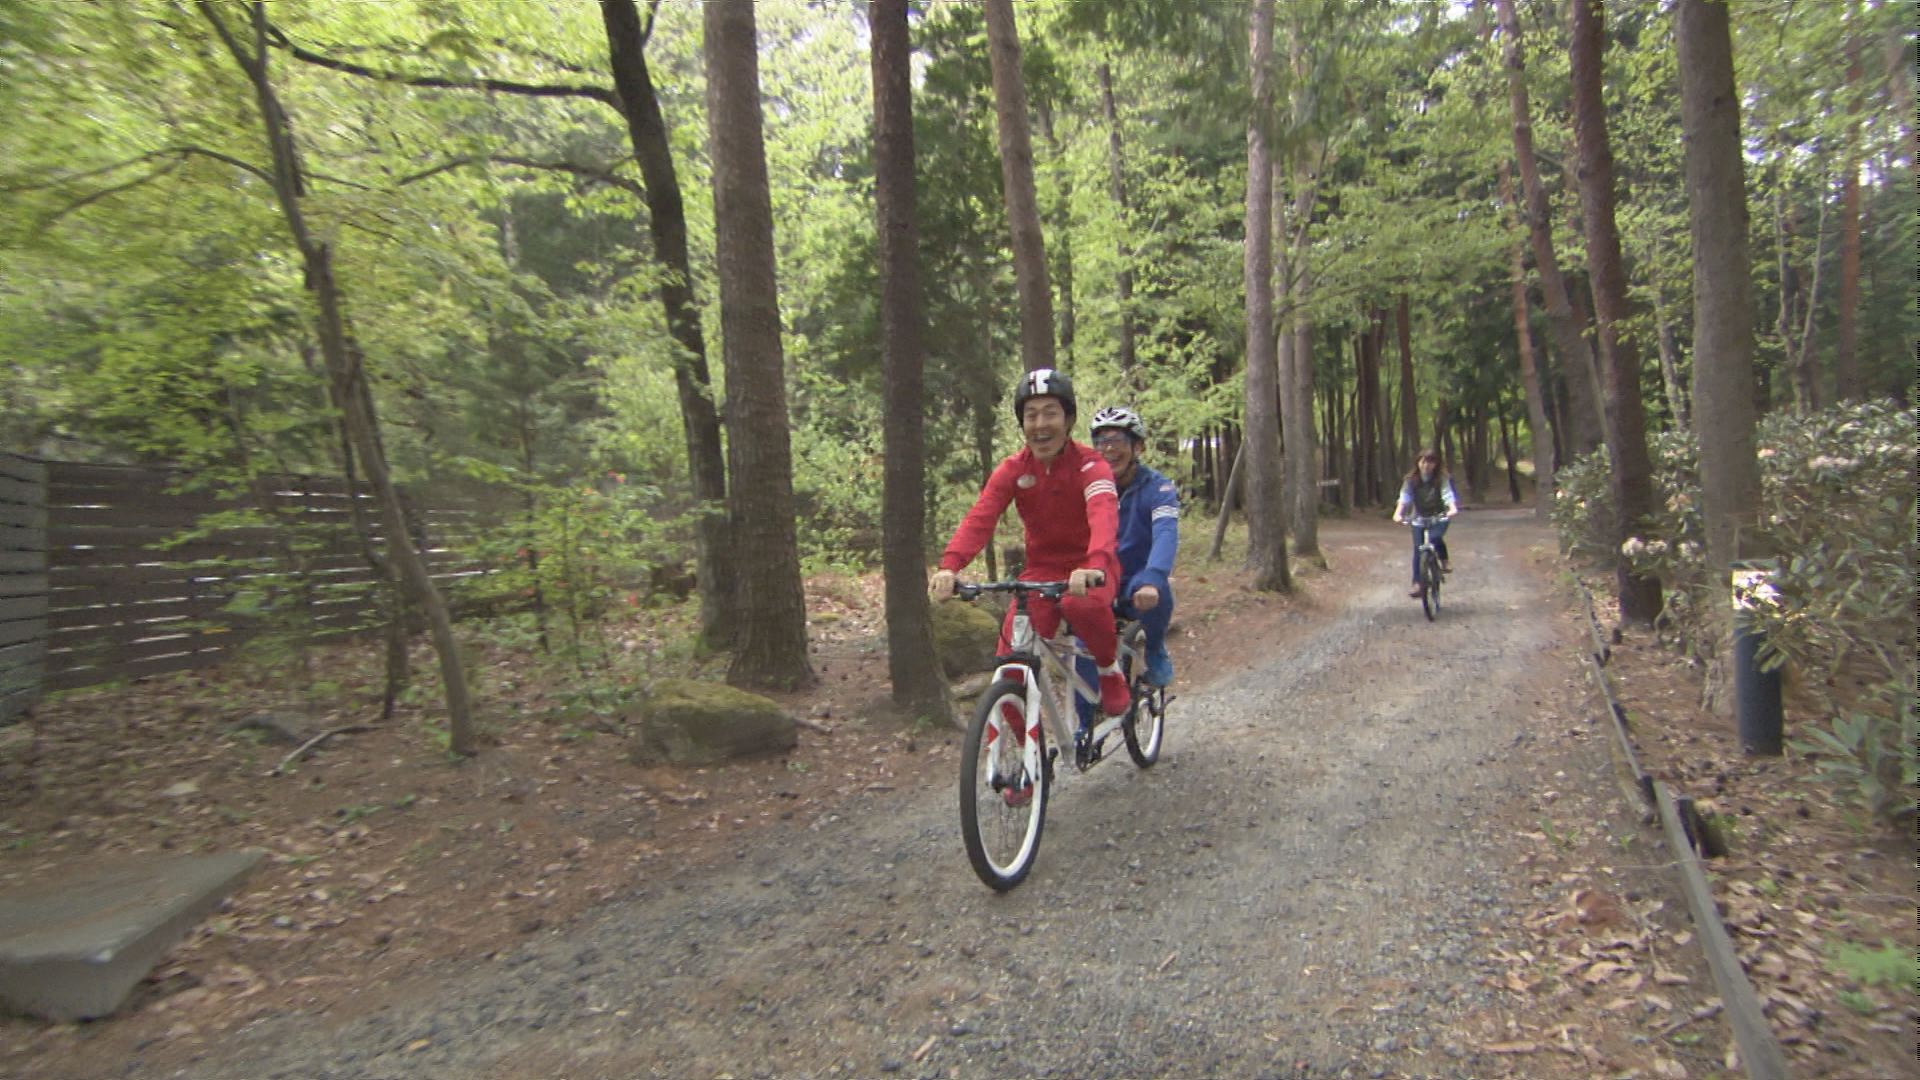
<point x="1022" y="726"/>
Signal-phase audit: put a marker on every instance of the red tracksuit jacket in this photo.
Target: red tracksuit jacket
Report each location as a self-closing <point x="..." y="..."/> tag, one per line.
<point x="1070" y="510"/>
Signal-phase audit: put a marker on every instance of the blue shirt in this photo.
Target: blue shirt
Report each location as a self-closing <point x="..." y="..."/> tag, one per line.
<point x="1149" y="530"/>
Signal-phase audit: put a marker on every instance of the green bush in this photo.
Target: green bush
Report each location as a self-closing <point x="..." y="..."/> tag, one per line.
<point x="1837" y="494"/>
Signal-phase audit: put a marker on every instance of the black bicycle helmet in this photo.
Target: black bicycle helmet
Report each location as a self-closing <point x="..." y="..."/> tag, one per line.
<point x="1044" y="382"/>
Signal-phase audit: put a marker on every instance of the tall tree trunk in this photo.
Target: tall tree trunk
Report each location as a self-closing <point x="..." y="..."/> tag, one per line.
<point x="345" y="366"/>
<point x="912" y="666"/>
<point x="1016" y="172"/>
<point x="1569" y="340"/>
<point x="1266" y="496"/>
<point x="1386" y="468"/>
<point x="1293" y="340"/>
<point x="1409" y="404"/>
<point x="667" y="227"/>
<point x="1297" y="283"/>
<point x="1901" y="74"/>
<point x="1846" y="361"/>
<point x="1117" y="188"/>
<point x="1722" y="303"/>
<point x="771" y="645"/>
<point x="1063" y="240"/>
<point x="1543" y="461"/>
<point x="1632" y="477"/>
<point x="1506" y="451"/>
<point x="1676" y="388"/>
<point x="1236" y="485"/>
<point x="1796" y="307"/>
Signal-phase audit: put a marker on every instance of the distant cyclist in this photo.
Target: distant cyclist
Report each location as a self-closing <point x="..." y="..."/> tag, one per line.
<point x="1427" y="492"/>
<point x="1067" y="502"/>
<point x="1149" y="533"/>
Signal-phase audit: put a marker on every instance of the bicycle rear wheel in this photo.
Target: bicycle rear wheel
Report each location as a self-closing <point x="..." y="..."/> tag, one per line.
<point x="1146" y="718"/>
<point x="1003" y="793"/>
<point x="1430" y="577"/>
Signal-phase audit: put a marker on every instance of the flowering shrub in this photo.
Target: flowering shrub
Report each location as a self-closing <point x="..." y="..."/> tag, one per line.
<point x="1837" y="494"/>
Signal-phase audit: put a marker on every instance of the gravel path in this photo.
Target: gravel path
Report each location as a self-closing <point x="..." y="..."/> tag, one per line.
<point x="1309" y="884"/>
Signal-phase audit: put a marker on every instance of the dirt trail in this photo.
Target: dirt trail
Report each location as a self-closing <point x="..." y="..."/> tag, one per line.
<point x="1311" y="883"/>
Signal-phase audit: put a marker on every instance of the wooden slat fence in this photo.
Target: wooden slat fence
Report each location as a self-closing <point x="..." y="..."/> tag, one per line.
<point x="23" y="583"/>
<point x="139" y="580"/>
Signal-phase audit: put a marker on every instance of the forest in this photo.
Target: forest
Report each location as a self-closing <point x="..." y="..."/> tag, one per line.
<point x="693" y="300"/>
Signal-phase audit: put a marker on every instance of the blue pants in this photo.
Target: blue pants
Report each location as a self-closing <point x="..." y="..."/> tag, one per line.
<point x="1436" y="529"/>
<point x="1155" y="624"/>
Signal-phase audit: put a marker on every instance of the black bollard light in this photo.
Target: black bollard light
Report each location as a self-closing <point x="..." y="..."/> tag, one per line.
<point x="1756" y="693"/>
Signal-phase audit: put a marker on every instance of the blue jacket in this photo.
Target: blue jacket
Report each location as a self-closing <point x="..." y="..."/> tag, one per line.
<point x="1149" y="530"/>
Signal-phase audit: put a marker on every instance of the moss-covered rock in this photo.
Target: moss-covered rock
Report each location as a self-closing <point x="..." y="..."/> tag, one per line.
<point x="965" y="637"/>
<point x="685" y="722"/>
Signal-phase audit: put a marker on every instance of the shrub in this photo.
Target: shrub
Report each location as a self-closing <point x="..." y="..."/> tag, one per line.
<point x="1837" y="492"/>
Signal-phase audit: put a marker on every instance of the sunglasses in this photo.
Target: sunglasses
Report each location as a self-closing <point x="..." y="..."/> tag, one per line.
<point x="1112" y="439"/>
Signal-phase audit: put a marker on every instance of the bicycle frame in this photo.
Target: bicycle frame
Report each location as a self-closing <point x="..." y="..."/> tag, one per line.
<point x="1047" y="669"/>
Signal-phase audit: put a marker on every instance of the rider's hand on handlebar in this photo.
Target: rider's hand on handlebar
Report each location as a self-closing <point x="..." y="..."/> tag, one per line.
<point x="1146" y="598"/>
<point x="940" y="585"/>
<point x="1083" y="579"/>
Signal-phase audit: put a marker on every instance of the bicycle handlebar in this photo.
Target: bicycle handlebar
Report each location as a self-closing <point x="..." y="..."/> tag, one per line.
<point x="1051" y="590"/>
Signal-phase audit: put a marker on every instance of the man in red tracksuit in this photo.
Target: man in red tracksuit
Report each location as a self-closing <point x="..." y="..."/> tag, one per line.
<point x="1065" y="495"/>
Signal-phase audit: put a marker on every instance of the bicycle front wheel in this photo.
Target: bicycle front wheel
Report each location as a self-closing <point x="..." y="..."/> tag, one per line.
<point x="1430" y="576"/>
<point x="1003" y="787"/>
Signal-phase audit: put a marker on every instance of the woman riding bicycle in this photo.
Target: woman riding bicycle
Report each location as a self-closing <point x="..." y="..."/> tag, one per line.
<point x="1427" y="495"/>
<point x="1067" y="502"/>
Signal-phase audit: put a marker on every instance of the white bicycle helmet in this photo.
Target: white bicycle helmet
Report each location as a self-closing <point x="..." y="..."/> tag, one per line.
<point x="1125" y="419"/>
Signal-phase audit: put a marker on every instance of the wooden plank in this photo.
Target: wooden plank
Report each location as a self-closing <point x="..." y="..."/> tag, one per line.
<point x="28" y="671"/>
<point x="21" y="538"/>
<point x="23" y="562"/>
<point x="15" y="703"/>
<point x="70" y="473"/>
<point x="75" y="618"/>
<point x="23" y="677"/>
<point x="25" y="655"/>
<point x="15" y="631"/>
<point x="151" y="509"/>
<point x="119" y="654"/>
<point x="23" y="585"/>
<point x="30" y="470"/>
<point x="231" y="558"/>
<point x="1760" y="1052"/>
<point x="22" y="492"/>
<point x="13" y="608"/>
<point x="74" y="678"/>
<point x="23" y="516"/>
<point x="164" y="541"/>
<point x="127" y="639"/>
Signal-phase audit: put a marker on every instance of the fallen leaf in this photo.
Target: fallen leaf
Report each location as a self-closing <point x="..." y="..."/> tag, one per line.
<point x="1670" y="978"/>
<point x="1601" y="972"/>
<point x="1512" y="1048"/>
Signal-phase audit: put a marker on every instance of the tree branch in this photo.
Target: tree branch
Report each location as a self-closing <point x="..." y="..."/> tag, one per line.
<point x="280" y="39"/>
<point x="591" y="172"/>
<point x="53" y="219"/>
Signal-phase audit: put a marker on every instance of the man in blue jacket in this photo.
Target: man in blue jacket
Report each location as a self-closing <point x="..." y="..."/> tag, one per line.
<point x="1149" y="533"/>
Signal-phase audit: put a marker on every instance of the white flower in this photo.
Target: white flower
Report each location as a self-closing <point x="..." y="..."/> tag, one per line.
<point x="1633" y="547"/>
<point x="1765" y="452"/>
<point x="1658" y="547"/>
<point x="1690" y="549"/>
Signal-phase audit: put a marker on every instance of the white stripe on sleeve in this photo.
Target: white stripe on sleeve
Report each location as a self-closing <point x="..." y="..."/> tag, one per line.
<point x="1166" y="512"/>
<point x="1101" y="487"/>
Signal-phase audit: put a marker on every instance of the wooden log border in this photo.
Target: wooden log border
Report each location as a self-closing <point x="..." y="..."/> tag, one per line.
<point x="1760" y="1053"/>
